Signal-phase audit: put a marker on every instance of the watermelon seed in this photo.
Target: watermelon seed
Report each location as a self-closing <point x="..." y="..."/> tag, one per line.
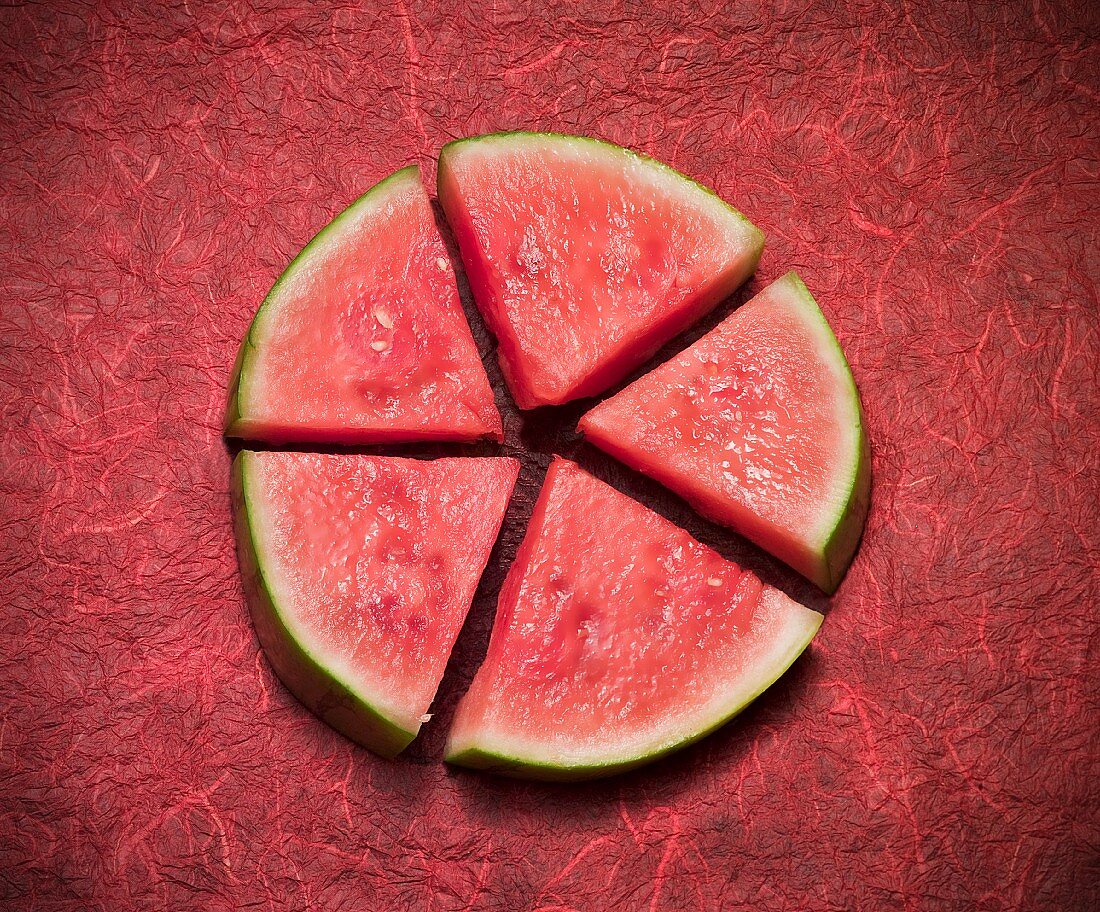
<point x="427" y="717"/>
<point x="384" y="319"/>
<point x="442" y="264"/>
<point x="714" y="581"/>
<point x="380" y="345"/>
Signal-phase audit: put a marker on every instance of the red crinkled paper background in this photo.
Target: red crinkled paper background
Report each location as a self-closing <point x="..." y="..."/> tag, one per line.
<point x="930" y="169"/>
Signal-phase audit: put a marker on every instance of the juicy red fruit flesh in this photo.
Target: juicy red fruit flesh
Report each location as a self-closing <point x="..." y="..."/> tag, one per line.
<point x="584" y="257"/>
<point x="366" y="567"/>
<point x="363" y="339"/>
<point x="758" y="424"/>
<point x="618" y="637"/>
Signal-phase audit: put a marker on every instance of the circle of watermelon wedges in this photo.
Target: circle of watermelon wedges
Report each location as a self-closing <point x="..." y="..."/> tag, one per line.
<point x="618" y="637"/>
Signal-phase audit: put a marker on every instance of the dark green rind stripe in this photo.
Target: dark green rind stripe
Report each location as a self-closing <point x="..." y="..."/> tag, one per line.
<point x="233" y="409"/>
<point x="303" y="675"/>
<point x="237" y="410"/>
<point x="842" y="543"/>
<point x="840" y="546"/>
<point x="529" y="768"/>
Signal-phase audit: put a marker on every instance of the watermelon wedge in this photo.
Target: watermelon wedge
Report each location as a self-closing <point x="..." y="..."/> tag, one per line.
<point x="363" y="339"/>
<point x="584" y="257"/>
<point x="618" y="638"/>
<point x="360" y="571"/>
<point x="759" y="426"/>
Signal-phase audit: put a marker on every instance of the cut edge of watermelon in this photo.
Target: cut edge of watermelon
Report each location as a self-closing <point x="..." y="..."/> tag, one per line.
<point x="797" y="634"/>
<point x="333" y="700"/>
<point x="511" y="360"/>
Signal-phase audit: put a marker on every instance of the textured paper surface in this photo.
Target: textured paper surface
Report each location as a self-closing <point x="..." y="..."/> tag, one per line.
<point x="929" y="169"/>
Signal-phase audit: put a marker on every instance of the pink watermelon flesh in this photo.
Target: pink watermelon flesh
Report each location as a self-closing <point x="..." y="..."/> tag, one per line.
<point x="363" y="338"/>
<point x="758" y="424"/>
<point x="618" y="638"/>
<point x="585" y="257"/>
<point x="360" y="571"/>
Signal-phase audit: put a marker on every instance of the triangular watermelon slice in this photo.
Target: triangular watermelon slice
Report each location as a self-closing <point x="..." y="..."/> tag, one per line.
<point x="585" y="257"/>
<point x="363" y="339"/>
<point x="360" y="571"/>
<point x="618" y="638"/>
<point x="759" y="426"/>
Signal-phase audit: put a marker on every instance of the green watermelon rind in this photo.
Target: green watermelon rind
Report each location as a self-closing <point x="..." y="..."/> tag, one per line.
<point x="297" y="667"/>
<point x="839" y="545"/>
<point x="237" y="412"/>
<point x="484" y="758"/>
